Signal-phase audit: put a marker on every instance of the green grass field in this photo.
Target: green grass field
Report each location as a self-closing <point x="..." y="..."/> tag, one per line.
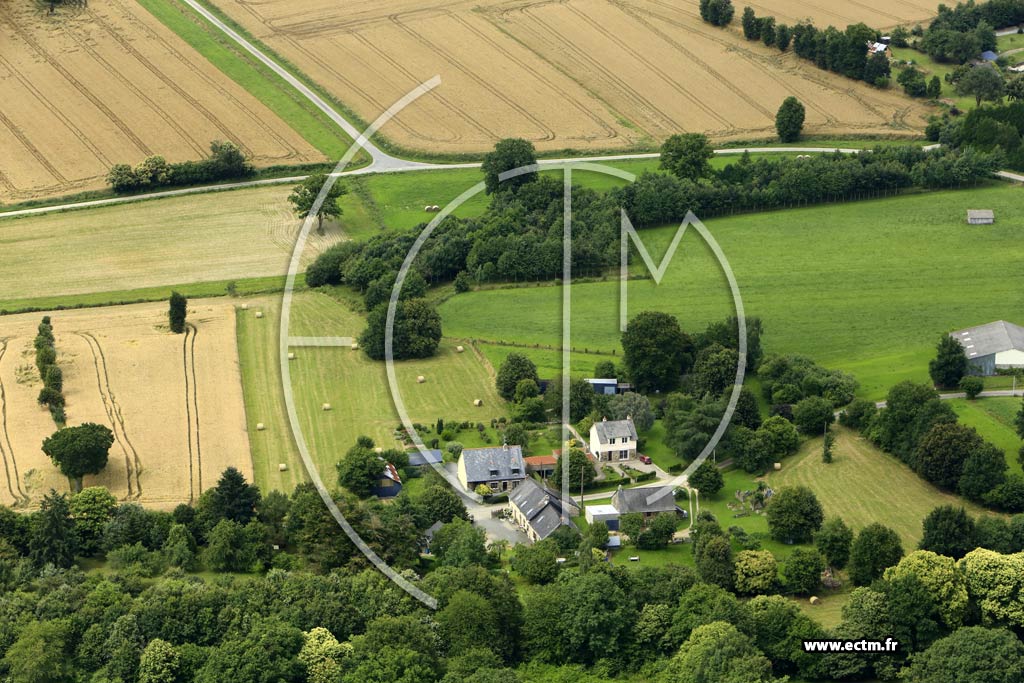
<point x="930" y="68"/>
<point x="864" y="485"/>
<point x="993" y="418"/>
<point x="1013" y="41"/>
<point x="267" y="87"/>
<point x="848" y="284"/>
<point x="354" y="386"/>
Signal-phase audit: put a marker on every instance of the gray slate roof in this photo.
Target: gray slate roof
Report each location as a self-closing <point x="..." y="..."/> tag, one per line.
<point x="615" y="429"/>
<point x="417" y="459"/>
<point x="480" y="462"/>
<point x="542" y="507"/>
<point x="991" y="338"/>
<point x="638" y="500"/>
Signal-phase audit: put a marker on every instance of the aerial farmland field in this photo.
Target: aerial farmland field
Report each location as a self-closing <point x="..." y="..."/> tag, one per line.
<point x="581" y="75"/>
<point x="92" y="86"/>
<point x="174" y="402"/>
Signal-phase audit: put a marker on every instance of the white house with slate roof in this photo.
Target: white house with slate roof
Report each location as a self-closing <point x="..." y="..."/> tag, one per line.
<point x="538" y="510"/>
<point x="991" y="347"/>
<point x="613" y="440"/>
<point x="500" y="469"/>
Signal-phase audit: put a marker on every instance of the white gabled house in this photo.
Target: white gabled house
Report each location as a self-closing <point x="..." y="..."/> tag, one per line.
<point x="613" y="441"/>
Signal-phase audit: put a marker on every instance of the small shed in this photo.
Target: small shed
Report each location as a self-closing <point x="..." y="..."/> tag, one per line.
<point x="989" y="56"/>
<point x="981" y="216"/>
<point x="603" y="513"/>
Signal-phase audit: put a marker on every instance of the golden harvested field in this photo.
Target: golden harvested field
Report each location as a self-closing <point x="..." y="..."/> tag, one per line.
<point x="585" y="74"/>
<point x="198" y="238"/>
<point x="174" y="402"/>
<point x="90" y="87"/>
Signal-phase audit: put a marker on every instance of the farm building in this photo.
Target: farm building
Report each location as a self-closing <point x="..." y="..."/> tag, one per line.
<point x="538" y="510"/>
<point x="608" y="387"/>
<point x="877" y="48"/>
<point x="390" y="484"/>
<point x="649" y="501"/>
<point x="603" y="513"/>
<point x="499" y="469"/>
<point x="981" y="216"/>
<point x="612" y="441"/>
<point x="991" y="347"/>
<point x="543" y="465"/>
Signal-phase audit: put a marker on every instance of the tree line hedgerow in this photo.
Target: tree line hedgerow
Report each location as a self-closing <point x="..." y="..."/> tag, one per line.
<point x="519" y="236"/>
<point x="226" y="162"/>
<point x="309" y="609"/>
<point x="52" y="393"/>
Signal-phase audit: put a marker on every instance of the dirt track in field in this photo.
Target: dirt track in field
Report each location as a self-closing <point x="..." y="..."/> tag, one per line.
<point x="155" y="390"/>
<point x="92" y="86"/>
<point x="585" y="74"/>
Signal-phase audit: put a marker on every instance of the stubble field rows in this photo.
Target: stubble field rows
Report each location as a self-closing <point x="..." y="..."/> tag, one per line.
<point x="585" y="75"/>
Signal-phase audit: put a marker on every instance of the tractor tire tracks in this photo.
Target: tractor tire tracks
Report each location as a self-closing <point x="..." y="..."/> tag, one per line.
<point x="133" y="464"/>
<point x="6" y="450"/>
<point x="195" y="449"/>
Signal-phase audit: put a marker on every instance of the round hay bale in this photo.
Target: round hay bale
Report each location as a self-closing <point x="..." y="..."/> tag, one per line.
<point x="378" y="449"/>
<point x="427" y="207"/>
<point x="777" y="466"/>
<point x="326" y="406"/>
<point x="814" y="600"/>
<point x="355" y="347"/>
<point x="478" y="403"/>
<point x="259" y="314"/>
<point x="282" y="467"/>
<point x="291" y="356"/>
<point x="459" y="349"/>
<point x="421" y="379"/>
<point x="435" y="207"/>
<point x="245" y="307"/>
<point x="260" y="427"/>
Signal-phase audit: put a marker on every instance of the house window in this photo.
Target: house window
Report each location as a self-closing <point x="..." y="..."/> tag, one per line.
<point x="493" y="485"/>
<point x="623" y="455"/>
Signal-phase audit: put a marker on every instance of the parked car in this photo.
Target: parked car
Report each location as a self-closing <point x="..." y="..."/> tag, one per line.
<point x="645" y="459"/>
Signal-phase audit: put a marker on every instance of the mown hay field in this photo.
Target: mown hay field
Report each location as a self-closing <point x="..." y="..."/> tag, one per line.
<point x="105" y="83"/>
<point x="199" y="238"/>
<point x="355" y="387"/>
<point x="173" y="401"/>
<point x="864" y="485"/>
<point x="581" y="74"/>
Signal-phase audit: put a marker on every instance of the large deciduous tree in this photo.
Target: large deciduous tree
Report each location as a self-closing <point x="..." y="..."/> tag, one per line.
<point x="949" y="530"/>
<point x="656" y="351"/>
<point x="876" y="548"/>
<point x="794" y="514"/>
<point x="949" y="365"/>
<point x="707" y="478"/>
<point x="970" y="655"/>
<point x="509" y="154"/>
<point x="833" y="541"/>
<point x="515" y="368"/>
<point x="52" y="537"/>
<point x="176" y="312"/>
<point x="687" y="155"/>
<point x="303" y="198"/>
<point x="416" y="333"/>
<point x="984" y="83"/>
<point x="79" y="451"/>
<point x="789" y="120"/>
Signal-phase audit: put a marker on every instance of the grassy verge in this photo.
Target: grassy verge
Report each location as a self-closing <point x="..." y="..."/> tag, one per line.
<point x="197" y="290"/>
<point x="993" y="418"/>
<point x="267" y="87"/>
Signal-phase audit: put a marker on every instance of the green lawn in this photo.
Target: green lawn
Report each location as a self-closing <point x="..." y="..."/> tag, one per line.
<point x="1011" y="42"/>
<point x="355" y="387"/>
<point x="930" y="68"/>
<point x="848" y="284"/>
<point x="993" y="418"/>
<point x="267" y="87"/>
<point x="864" y="485"/>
